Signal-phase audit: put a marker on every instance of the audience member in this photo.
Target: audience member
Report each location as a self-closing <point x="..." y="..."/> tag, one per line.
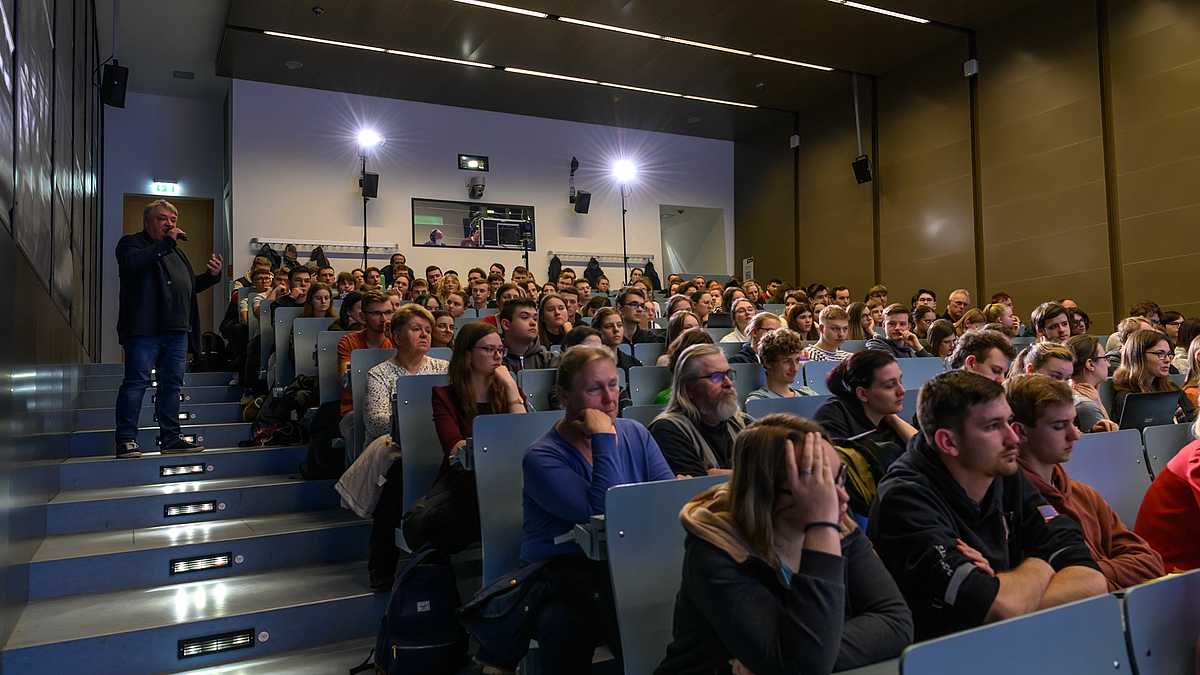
<point x="729" y="296"/>
<point x="475" y="273"/>
<point x="702" y="419"/>
<point x="345" y="285"/>
<point x="371" y="277"/>
<point x="248" y="305"/>
<point x="922" y="318"/>
<point x="1051" y="322"/>
<point x="350" y="315"/>
<point x="553" y="320"/>
<point x="867" y="399"/>
<point x="1169" y="518"/>
<point x="532" y="290"/>
<point x="818" y="293"/>
<point x="1188" y="331"/>
<point x="878" y="292"/>
<point x="678" y="303"/>
<point x="609" y="324"/>
<point x="998" y="312"/>
<point x="1052" y="359"/>
<point x="571" y="299"/>
<point x="925" y="297"/>
<point x="1043" y="412"/>
<point x="498" y="268"/>
<point x="1089" y="371"/>
<point x="876" y="309"/>
<point x="779" y="351"/>
<point x="1171" y="321"/>
<point x="754" y="293"/>
<point x="742" y="310"/>
<point x="594" y="305"/>
<point x="1125" y="328"/>
<point x="841" y="296"/>
<point x="584" y="290"/>
<point x="521" y="349"/>
<point x="983" y="351"/>
<point x="1192" y="382"/>
<point x="1147" y="309"/>
<point x="972" y="319"/>
<point x="942" y="338"/>
<point x="377" y="312"/>
<point x="966" y="536"/>
<point x="702" y="306"/>
<point x="799" y="317"/>
<point x="861" y="324"/>
<point x="635" y="274"/>
<point x="632" y="305"/>
<point x="762" y="324"/>
<point x="1081" y="323"/>
<point x="834" y="325"/>
<point x="456" y="303"/>
<point x="449" y="283"/>
<point x="359" y="277"/>
<point x="247" y="279"/>
<point x="681" y="321"/>
<point x="898" y="341"/>
<point x="396" y="267"/>
<point x="495" y="280"/>
<point x="443" y="329"/>
<point x="686" y="339"/>
<point x="602" y="284"/>
<point x="299" y="279"/>
<point x="776" y="578"/>
<point x="957" y="305"/>
<point x="429" y="301"/>
<point x="1145" y="367"/>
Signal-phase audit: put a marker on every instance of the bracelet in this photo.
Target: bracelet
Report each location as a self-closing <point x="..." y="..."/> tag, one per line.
<point x="516" y="402"/>
<point x="821" y="523"/>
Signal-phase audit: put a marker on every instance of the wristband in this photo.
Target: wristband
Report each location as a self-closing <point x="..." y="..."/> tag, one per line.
<point x="821" y="523"/>
<point x="516" y="402"/>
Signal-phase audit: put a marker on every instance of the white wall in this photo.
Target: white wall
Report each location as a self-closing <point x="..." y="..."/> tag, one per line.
<point x="693" y="241"/>
<point x="154" y="138"/>
<point x="295" y="175"/>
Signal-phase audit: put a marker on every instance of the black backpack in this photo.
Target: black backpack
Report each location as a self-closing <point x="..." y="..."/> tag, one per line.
<point x="419" y="633"/>
<point x="323" y="460"/>
<point x="214" y="356"/>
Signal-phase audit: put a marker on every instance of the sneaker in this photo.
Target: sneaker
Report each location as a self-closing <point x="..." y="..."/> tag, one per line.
<point x="128" y="450"/>
<point x="180" y="446"/>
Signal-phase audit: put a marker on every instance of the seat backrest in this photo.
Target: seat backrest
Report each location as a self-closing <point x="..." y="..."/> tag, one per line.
<point x="815" y="373"/>
<point x="648" y="352"/>
<point x="854" y="346"/>
<point x="1020" y="342"/>
<point x="1177" y="379"/>
<point x="718" y="333"/>
<point x="487" y="311"/>
<point x="242" y="293"/>
<point x="462" y="321"/>
<point x="910" y="404"/>
<point x="267" y="332"/>
<point x="1164" y="442"/>
<point x="284" y="316"/>
<point x="537" y="384"/>
<point x="750" y="376"/>
<point x="1162" y="624"/>
<point x="1107" y="395"/>
<point x="730" y="348"/>
<point x="1112" y="463"/>
<point x="418" y="440"/>
<point x="443" y="353"/>
<point x="500" y="442"/>
<point x="327" y="367"/>
<point x="645" y="383"/>
<point x="645" y="558"/>
<point x="643" y="413"/>
<point x="661" y="322"/>
<point x="1081" y="637"/>
<point x="625" y="348"/>
<point x="800" y="406"/>
<point x="305" y="331"/>
<point x="362" y="361"/>
<point x="919" y="370"/>
<point x="775" y="309"/>
<point x="336" y="306"/>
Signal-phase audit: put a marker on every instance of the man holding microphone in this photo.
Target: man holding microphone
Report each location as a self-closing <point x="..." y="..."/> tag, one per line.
<point x="158" y="321"/>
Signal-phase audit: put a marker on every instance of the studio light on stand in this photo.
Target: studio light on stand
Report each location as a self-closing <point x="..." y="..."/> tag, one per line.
<point x="369" y="182"/>
<point x="624" y="172"/>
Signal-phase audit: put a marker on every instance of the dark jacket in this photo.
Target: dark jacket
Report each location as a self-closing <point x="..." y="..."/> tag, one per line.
<point x="641" y="335"/>
<point x="727" y="609"/>
<point x="903" y="351"/>
<point x="144" y="305"/>
<point x="537" y="357"/>
<point x="746" y="355"/>
<point x="626" y="361"/>
<point x="592" y="272"/>
<point x="920" y="514"/>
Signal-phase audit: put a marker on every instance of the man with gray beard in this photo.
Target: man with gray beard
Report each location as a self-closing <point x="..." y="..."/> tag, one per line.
<point x="696" y="431"/>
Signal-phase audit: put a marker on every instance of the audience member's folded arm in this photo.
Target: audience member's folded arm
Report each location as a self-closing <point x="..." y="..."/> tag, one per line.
<point x="1059" y="541"/>
<point x="882" y="624"/>
<point x="556" y="487"/>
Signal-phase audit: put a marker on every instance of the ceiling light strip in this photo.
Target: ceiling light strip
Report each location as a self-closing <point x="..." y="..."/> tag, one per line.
<point x="323" y="41"/>
<point x="641" y="89"/>
<point x="538" y="73"/>
<point x="717" y="100"/>
<point x="504" y="8"/>
<point x="443" y="59"/>
<point x="880" y="10"/>
<point x="719" y="48"/>
<point x="792" y="63"/>
<point x="604" y="26"/>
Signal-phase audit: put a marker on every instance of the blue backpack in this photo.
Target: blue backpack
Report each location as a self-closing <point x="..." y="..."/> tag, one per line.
<point x="419" y="633"/>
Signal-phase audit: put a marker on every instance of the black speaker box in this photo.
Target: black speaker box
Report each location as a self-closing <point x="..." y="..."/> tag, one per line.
<point x="582" y="201"/>
<point x="862" y="169"/>
<point x="112" y="87"/>
<point x="370" y="185"/>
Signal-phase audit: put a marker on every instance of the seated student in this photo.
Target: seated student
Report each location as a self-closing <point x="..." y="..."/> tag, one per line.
<point x="1189" y="330"/>
<point x="377" y="312"/>
<point x="1047" y="358"/>
<point x="729" y="296"/>
<point x="602" y="284"/>
<point x="531" y="288"/>
<point x="1145" y="367"/>
<point x="583" y="289"/>
<point x="389" y="273"/>
<point x="326" y="275"/>
<point x="481" y="293"/>
<point x="456" y="303"/>
<point x="634" y="310"/>
<point x="549" y="288"/>
<point x="983" y="351"/>
<point x="594" y="305"/>
<point x="498" y="268"/>
<point x="372" y="277"/>
<point x="677" y="303"/>
<point x="682" y="320"/>
<point x="1169" y="518"/>
<point x="1051" y="321"/>
<point x="780" y="353"/>
<point x="296" y="292"/>
<point x="898" y="340"/>
<point x="401" y="285"/>
<point x="972" y="319"/>
<point x="697" y="429"/>
<point x="443" y="329"/>
<point x="861" y="326"/>
<point x="818" y="293"/>
<point x="611" y="328"/>
<point x="957" y="304"/>
<point x="571" y="299"/>
<point x="922" y="318"/>
<point x="495" y="280"/>
<point x="763" y="323"/>
<point x="1125" y="328"/>
<point x="411" y="329"/>
<point x="396" y="298"/>
<point x="876" y="308"/>
<point x="1191" y="385"/>
<point x="834" y="325"/>
<point x="588" y="337"/>
<point x="702" y="306"/>
<point x="247" y="280"/>
<point x="964" y="533"/>
<point x="743" y="312"/>
<point x="1043" y="412"/>
<point x="800" y="318"/>
<point x="359" y="277"/>
<point x="841" y="296"/>
<point x="350" y="315"/>
<point x="998" y="312"/>
<point x="942" y="339"/>
<point x="564" y="281"/>
<point x="776" y="578"/>
<point x="1080" y="322"/>
<point x="878" y="292"/>
<point x="345" y="285"/>
<point x="504" y="294"/>
<point x="1089" y="370"/>
<point x="773" y="286"/>
<point x="522" y="350"/>
<point x="553" y="320"/>
<point x="429" y="301"/>
<point x="924" y="297"/>
<point x="754" y="293"/>
<point x="867" y="399"/>
<point x="686" y="339"/>
<point x="248" y="305"/>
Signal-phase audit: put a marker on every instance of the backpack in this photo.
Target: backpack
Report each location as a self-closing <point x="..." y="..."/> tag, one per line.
<point x="214" y="356"/>
<point x="448" y="515"/>
<point x="324" y="460"/>
<point x="419" y="633"/>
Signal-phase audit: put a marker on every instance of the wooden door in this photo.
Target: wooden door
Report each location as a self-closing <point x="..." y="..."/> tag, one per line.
<point x="196" y="219"/>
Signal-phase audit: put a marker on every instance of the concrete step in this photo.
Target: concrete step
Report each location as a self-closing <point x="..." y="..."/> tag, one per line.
<point x="103" y="441"/>
<point x="92" y="419"/>
<point x="107" y="398"/>
<point x="100" y="471"/>
<point x="97" y="382"/>
<point x="91" y="562"/>
<point x="334" y="659"/>
<point x="138" y="632"/>
<point x="147" y="505"/>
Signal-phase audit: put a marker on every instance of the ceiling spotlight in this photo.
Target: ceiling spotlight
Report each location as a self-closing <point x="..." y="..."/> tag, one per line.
<point x="624" y="171"/>
<point x="369" y="139"/>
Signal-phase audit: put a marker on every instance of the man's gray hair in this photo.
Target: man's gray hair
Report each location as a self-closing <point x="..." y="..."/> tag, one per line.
<point x="960" y="290"/>
<point x="686" y="369"/>
<point x="156" y="203"/>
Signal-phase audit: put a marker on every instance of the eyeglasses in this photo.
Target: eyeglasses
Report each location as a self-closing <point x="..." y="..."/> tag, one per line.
<point x="1176" y="323"/>
<point x="958" y="303"/>
<point x="1165" y="356"/>
<point x="839" y="479"/>
<point x="633" y="304"/>
<point x="387" y="313"/>
<point x="719" y="376"/>
<point x="745" y="310"/>
<point x="492" y="351"/>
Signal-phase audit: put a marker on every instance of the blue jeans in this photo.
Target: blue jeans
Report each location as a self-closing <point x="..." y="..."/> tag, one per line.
<point x="168" y="354"/>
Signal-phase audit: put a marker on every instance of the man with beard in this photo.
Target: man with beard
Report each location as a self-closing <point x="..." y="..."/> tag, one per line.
<point x="966" y="535"/>
<point x="702" y="419"/>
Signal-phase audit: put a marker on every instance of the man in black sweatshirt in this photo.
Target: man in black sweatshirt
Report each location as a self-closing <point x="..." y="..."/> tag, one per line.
<point x="967" y="537"/>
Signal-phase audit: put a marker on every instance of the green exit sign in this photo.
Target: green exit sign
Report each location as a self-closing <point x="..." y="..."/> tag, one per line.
<point x="164" y="188"/>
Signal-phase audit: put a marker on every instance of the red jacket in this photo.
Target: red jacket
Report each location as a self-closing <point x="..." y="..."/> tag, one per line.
<point x="1170" y="515"/>
<point x="1124" y="557"/>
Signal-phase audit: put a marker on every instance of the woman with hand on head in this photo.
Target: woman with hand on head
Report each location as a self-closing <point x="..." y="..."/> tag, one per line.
<point x="776" y="577"/>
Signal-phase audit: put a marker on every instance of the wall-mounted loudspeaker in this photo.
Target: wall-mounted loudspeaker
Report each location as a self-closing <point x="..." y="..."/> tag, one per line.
<point x="583" y="200"/>
<point x="112" y="87"/>
<point x="862" y="169"/>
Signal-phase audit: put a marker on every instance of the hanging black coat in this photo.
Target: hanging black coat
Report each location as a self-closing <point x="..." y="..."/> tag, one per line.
<point x="318" y="256"/>
<point x="593" y="272"/>
<point x="271" y="254"/>
<point x="555" y="270"/>
<point x="653" y="274"/>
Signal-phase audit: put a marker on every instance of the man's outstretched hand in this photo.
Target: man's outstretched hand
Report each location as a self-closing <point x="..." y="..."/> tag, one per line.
<point x="214" y="265"/>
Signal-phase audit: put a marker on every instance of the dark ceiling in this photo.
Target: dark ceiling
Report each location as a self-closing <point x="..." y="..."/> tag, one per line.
<point x="814" y="31"/>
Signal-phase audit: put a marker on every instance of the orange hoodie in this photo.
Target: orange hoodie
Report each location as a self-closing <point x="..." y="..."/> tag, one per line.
<point x="1124" y="558"/>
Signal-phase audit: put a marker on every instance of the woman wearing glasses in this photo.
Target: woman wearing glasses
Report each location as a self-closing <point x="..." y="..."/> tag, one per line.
<point x="743" y="313"/>
<point x="776" y="577"/>
<point x="1146" y="367"/>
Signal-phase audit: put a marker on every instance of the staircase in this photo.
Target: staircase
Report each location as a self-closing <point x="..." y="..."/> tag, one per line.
<point x="149" y="565"/>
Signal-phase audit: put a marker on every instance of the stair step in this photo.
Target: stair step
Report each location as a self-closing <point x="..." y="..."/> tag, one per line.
<point x="91" y="419"/>
<point x="92" y="562"/>
<point x="96" y="382"/>
<point x="334" y="659"/>
<point x="107" y="398"/>
<point x="99" y="471"/>
<point x="101" y="368"/>
<point x="144" y="505"/>
<point x="137" y="632"/>
<point x="103" y="441"/>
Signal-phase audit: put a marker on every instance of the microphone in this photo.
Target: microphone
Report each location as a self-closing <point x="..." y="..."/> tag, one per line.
<point x="181" y="237"/>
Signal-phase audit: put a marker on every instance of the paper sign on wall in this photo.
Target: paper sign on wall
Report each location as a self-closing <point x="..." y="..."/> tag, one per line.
<point x="747" y="268"/>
